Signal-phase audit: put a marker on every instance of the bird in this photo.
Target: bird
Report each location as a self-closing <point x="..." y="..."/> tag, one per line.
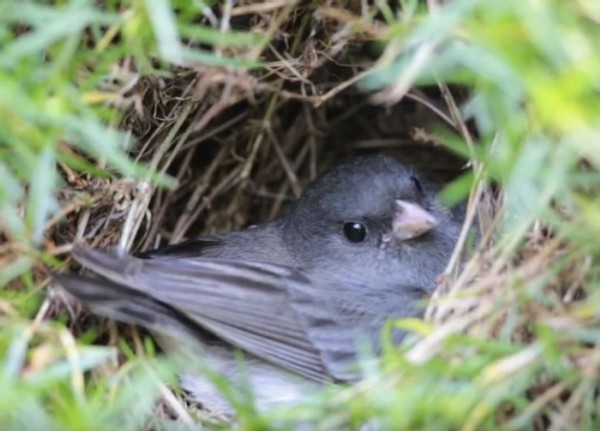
<point x="300" y="295"/>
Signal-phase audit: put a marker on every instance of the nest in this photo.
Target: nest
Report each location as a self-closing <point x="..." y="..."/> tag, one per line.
<point x="242" y="144"/>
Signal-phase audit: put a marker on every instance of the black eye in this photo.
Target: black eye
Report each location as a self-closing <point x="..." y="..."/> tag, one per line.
<point x="355" y="231"/>
<point x="417" y="184"/>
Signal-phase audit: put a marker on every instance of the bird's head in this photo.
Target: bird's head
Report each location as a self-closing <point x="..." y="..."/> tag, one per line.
<point x="373" y="217"/>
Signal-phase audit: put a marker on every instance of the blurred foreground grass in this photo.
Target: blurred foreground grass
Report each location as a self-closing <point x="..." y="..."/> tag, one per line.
<point x="514" y="345"/>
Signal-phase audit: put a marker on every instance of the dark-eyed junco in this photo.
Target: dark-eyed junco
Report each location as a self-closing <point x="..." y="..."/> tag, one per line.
<point x="364" y="243"/>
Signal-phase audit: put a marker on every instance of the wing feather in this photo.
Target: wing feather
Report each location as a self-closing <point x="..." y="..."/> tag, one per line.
<point x="246" y="303"/>
<point x="307" y="323"/>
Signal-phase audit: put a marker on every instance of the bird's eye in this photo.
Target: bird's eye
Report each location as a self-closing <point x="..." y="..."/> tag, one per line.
<point x="355" y="231"/>
<point x="417" y="184"/>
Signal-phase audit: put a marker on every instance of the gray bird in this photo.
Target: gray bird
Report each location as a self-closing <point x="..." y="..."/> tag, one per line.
<point x="299" y="295"/>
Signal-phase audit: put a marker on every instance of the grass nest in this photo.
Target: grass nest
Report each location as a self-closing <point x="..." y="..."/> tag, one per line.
<point x="241" y="144"/>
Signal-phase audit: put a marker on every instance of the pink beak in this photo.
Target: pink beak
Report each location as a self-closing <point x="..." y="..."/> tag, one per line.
<point x="411" y="221"/>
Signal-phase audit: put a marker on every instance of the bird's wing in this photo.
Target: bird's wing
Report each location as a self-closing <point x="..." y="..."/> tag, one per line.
<point x="274" y="312"/>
